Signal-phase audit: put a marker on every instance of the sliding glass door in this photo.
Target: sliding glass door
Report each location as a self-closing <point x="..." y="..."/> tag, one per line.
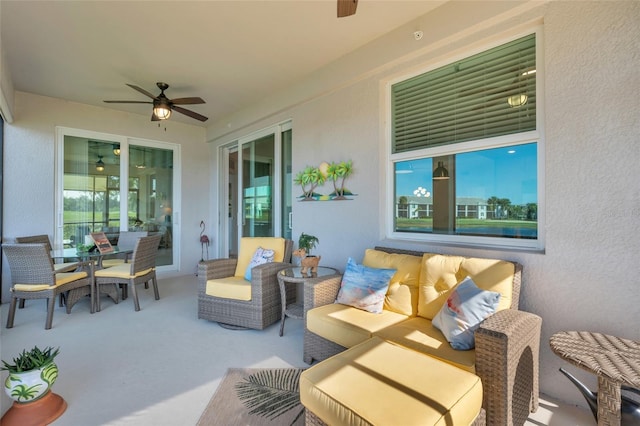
<point x="256" y="187"/>
<point x="258" y="159"/>
<point x="91" y="196"/>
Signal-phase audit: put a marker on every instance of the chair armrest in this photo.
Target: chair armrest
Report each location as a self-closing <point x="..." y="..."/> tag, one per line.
<point x="507" y="362"/>
<point x="87" y="265"/>
<point x="215" y="268"/>
<point x="321" y="291"/>
<point x="265" y="271"/>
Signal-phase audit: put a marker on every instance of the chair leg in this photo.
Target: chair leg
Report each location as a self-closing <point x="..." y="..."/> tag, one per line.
<point x="51" y="303"/>
<point x="12" y="312"/>
<point x="97" y="301"/>
<point x="21" y="304"/>
<point x="155" y="287"/>
<point x="93" y="298"/>
<point x="134" y="294"/>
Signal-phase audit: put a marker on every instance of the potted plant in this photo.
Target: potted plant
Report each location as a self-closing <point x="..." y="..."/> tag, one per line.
<point x="307" y="242"/>
<point x="31" y="375"/>
<point x="308" y="262"/>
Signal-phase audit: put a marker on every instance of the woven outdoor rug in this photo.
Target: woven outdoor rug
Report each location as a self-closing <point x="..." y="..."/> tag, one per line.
<point x="256" y="396"/>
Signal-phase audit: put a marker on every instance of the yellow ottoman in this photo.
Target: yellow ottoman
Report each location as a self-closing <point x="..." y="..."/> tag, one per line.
<point x="379" y="383"/>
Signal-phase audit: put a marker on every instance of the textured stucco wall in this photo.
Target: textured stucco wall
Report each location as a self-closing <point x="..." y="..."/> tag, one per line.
<point x="587" y="279"/>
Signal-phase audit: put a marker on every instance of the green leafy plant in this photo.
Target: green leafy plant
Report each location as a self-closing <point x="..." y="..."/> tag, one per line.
<point x="32" y="360"/>
<point x="81" y="248"/>
<point x="307" y="242"/>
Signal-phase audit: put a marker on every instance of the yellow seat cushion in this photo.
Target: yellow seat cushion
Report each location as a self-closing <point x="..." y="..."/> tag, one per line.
<point x="248" y="246"/>
<point x="110" y="263"/>
<point x="420" y="335"/>
<point x="492" y="275"/>
<point x="61" y="278"/>
<point x="380" y="383"/>
<point x="348" y="326"/>
<point x="229" y="288"/>
<point x="440" y="274"/>
<point x="121" y="271"/>
<point x="402" y="295"/>
<point x="65" y="267"/>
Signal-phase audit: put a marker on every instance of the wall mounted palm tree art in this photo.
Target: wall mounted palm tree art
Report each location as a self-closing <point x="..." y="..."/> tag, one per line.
<point x="309" y="179"/>
<point x="339" y="171"/>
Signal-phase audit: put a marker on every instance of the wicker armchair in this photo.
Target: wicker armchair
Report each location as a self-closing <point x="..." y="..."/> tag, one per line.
<point x="263" y="308"/>
<point x="141" y="269"/>
<point x="33" y="277"/>
<point x="506" y="347"/>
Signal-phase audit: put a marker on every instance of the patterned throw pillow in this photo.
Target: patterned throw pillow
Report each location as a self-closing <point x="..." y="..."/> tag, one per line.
<point x="363" y="287"/>
<point x="260" y="257"/>
<point x="462" y="313"/>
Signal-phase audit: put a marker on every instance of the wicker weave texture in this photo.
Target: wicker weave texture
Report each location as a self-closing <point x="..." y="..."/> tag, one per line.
<point x="31" y="264"/>
<point x="507" y="351"/>
<point x="143" y="258"/>
<point x="262" y="310"/>
<point x="616" y="361"/>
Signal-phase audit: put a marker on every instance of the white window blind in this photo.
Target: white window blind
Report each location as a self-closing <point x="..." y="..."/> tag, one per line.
<point x="489" y="94"/>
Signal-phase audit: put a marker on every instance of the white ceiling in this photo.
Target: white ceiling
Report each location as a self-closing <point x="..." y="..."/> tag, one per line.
<point x="230" y="53"/>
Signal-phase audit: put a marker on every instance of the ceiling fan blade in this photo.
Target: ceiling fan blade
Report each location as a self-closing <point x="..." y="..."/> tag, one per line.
<point x="128" y="102"/>
<point x="190" y="113"/>
<point x="347" y="8"/>
<point x="141" y="90"/>
<point x="187" y="101"/>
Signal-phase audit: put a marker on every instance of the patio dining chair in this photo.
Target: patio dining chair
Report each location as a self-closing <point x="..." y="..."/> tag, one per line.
<point x="33" y="277"/>
<point x="141" y="269"/>
<point x="44" y="239"/>
<point x="126" y="241"/>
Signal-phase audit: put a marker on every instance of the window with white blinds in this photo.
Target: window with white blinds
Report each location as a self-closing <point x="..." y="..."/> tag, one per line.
<point x="489" y="94"/>
<point x="464" y="163"/>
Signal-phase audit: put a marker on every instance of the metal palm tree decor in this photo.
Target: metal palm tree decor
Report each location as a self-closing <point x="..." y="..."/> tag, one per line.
<point x="272" y="392"/>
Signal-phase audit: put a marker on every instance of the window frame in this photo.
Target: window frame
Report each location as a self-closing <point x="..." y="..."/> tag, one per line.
<point x="535" y="136"/>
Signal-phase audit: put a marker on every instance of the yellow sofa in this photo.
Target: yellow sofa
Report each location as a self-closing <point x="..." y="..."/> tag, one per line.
<point x="505" y="358"/>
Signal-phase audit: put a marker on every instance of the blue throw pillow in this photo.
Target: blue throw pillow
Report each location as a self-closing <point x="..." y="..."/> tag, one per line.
<point x="260" y="257"/>
<point x="462" y="313"/>
<point x="363" y="287"/>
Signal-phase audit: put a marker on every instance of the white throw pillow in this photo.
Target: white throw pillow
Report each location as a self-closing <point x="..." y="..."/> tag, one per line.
<point x="466" y="307"/>
<point x="260" y="257"/>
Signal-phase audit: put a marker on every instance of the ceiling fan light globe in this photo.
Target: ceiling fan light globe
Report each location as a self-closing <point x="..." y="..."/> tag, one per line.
<point x="162" y="111"/>
<point x="516" y="101"/>
<point x="100" y="164"/>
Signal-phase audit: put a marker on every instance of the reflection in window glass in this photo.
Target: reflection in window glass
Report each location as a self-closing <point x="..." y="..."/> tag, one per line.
<point x="491" y="192"/>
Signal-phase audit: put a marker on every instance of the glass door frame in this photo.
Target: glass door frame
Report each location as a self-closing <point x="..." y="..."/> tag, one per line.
<point x="223" y="201"/>
<point x="124" y="142"/>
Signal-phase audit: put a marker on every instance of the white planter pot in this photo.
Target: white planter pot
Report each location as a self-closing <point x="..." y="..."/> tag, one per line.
<point x="29" y="386"/>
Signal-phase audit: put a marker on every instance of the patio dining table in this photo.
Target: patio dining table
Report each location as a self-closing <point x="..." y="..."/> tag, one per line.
<point x="73" y="253"/>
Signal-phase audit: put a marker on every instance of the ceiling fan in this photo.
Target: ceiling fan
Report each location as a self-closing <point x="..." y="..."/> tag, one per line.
<point x="162" y="106"/>
<point x="347" y="8"/>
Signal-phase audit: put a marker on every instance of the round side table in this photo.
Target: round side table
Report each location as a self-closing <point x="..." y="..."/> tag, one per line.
<point x="614" y="360"/>
<point x="295" y="276"/>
